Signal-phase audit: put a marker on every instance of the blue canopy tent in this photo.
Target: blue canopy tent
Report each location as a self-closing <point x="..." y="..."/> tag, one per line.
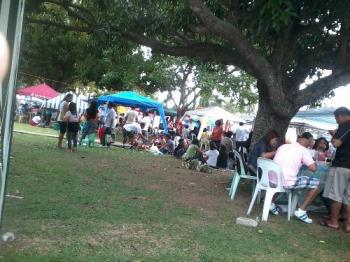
<point x="134" y="99"/>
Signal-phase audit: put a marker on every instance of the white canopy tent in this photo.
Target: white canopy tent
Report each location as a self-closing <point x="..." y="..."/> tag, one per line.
<point x="209" y="115"/>
<point x="214" y="113"/>
<point x="55" y="102"/>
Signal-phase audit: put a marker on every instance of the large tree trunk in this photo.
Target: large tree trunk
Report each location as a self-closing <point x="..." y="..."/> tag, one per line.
<point x="180" y="112"/>
<point x="267" y="119"/>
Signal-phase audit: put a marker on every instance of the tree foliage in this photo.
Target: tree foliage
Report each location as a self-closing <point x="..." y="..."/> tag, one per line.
<point x="280" y="43"/>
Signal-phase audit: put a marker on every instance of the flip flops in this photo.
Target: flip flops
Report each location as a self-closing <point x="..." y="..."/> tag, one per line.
<point x="326" y="224"/>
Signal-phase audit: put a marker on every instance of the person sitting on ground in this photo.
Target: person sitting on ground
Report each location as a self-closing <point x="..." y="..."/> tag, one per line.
<point x="131" y="132"/>
<point x="72" y="119"/>
<point x="180" y="150"/>
<point x="131" y="116"/>
<point x="321" y="149"/>
<point x="222" y="158"/>
<point x="193" y="151"/>
<point x="169" y="146"/>
<point x="290" y="158"/>
<point x="216" y="135"/>
<point x="36" y="120"/>
<point x="266" y="147"/>
<point x="227" y="141"/>
<point x="90" y="125"/>
<point x="212" y="155"/>
<point x="231" y="161"/>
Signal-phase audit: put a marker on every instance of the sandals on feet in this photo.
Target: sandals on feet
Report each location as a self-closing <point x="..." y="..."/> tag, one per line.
<point x="326" y="224"/>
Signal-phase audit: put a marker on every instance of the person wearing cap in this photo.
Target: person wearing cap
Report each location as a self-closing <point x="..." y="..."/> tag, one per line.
<point x="290" y="158"/>
<point x="337" y="186"/>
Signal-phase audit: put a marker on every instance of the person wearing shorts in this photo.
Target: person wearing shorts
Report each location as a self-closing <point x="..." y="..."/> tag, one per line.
<point x="290" y="158"/>
<point x="337" y="186"/>
<point x="64" y="106"/>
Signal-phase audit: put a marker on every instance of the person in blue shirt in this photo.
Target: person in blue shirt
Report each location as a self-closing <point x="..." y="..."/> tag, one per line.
<point x="266" y="147"/>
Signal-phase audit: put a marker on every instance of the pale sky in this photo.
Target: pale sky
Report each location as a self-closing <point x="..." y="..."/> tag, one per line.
<point x="341" y="98"/>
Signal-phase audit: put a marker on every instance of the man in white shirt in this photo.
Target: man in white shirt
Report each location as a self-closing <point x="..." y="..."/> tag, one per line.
<point x="131" y="116"/>
<point x="109" y="124"/>
<point x="242" y="135"/>
<point x="212" y="155"/>
<point x="131" y="132"/>
<point x="147" y="121"/>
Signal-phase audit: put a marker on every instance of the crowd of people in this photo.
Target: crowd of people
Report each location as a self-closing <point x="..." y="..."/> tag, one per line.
<point x="215" y="149"/>
<point x="310" y="153"/>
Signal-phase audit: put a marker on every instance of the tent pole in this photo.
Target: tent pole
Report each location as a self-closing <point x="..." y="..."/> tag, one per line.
<point x="11" y="27"/>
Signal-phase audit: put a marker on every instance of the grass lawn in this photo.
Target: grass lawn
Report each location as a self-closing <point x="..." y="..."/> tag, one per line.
<point x="122" y="205"/>
<point x="33" y="129"/>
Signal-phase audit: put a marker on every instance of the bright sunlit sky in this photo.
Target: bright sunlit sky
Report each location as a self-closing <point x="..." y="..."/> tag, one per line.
<point x="341" y="98"/>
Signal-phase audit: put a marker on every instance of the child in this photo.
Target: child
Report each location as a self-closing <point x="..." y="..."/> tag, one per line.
<point x="72" y="119"/>
<point x="212" y="155"/>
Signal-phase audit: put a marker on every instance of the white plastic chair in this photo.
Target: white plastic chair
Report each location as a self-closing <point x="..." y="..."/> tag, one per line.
<point x="238" y="175"/>
<point x="271" y="181"/>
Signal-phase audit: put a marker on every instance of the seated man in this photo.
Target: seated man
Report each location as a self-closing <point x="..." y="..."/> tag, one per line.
<point x="180" y="150"/>
<point x="169" y="146"/>
<point x="290" y="157"/>
<point x="131" y="132"/>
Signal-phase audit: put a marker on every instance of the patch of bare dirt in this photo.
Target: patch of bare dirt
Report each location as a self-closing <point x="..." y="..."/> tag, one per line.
<point x="207" y="192"/>
<point x="131" y="238"/>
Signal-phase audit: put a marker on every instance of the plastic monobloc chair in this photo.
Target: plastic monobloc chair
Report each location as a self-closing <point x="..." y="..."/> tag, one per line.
<point x="238" y="174"/>
<point x="271" y="182"/>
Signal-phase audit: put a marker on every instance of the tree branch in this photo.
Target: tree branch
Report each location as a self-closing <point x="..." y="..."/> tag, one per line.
<point x="342" y="55"/>
<point x="61" y="25"/>
<point x="322" y="87"/>
<point x="234" y="36"/>
<point x="205" y="51"/>
<point x="80" y="8"/>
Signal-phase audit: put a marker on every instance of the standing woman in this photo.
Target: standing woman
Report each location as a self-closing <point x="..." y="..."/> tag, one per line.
<point x="90" y="125"/>
<point x="63" y="110"/>
<point x="217" y="134"/>
<point x="72" y="120"/>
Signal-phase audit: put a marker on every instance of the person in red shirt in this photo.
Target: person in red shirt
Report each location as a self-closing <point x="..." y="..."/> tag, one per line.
<point x="217" y="134"/>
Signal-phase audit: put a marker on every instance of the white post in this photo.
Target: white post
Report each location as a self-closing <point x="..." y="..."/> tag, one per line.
<point x="9" y="87"/>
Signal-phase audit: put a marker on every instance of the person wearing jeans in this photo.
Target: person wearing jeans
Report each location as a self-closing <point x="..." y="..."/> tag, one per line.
<point x="109" y="123"/>
<point x="72" y="120"/>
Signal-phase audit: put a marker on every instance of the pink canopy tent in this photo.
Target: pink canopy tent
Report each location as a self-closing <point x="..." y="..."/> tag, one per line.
<point x="41" y="91"/>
